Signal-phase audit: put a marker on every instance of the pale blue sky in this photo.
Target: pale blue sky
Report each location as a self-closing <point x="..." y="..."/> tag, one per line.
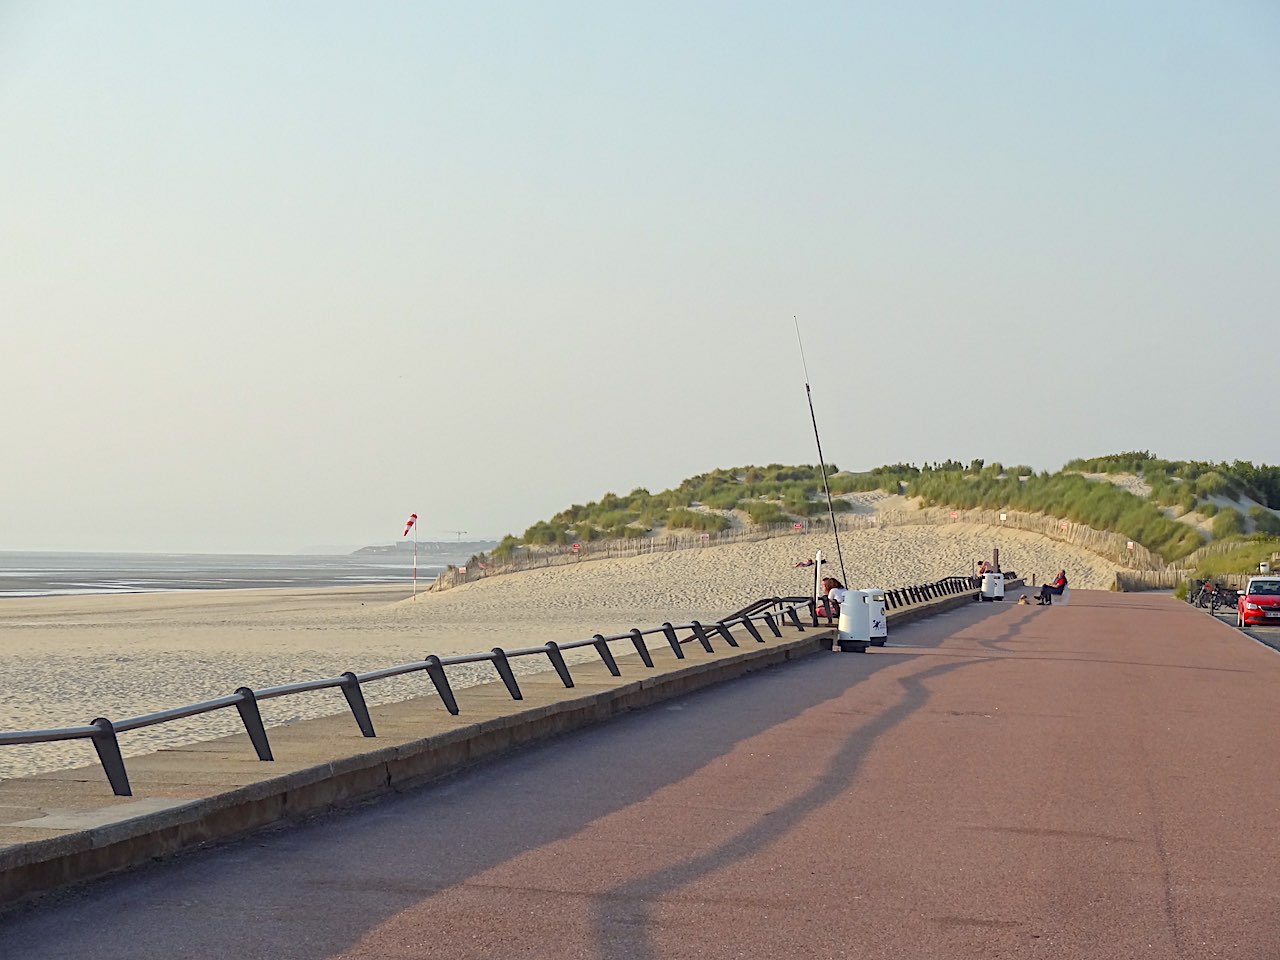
<point x="276" y="275"/>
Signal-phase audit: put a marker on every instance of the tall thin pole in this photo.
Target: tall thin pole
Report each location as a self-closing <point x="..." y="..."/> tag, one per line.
<point x="412" y="524"/>
<point x="817" y="578"/>
<point x="822" y="464"/>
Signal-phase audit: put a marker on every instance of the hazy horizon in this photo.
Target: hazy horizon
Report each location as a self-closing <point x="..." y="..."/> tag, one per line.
<point x="280" y="275"/>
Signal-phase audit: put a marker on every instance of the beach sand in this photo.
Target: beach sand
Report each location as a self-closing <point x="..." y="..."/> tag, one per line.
<point x="67" y="660"/>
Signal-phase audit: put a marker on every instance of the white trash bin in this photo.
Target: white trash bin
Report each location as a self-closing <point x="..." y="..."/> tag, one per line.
<point x="879" y="621"/>
<point x="992" y="586"/>
<point x="854" y="632"/>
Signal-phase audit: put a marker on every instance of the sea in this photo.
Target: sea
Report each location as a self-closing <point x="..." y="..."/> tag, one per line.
<point x="66" y="574"/>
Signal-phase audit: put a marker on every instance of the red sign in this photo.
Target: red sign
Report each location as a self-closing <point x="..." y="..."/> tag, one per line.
<point x="954" y="515"/>
<point x="1064" y="524"/>
<point x="798" y="526"/>
<point x="463" y="570"/>
<point x="577" y="547"/>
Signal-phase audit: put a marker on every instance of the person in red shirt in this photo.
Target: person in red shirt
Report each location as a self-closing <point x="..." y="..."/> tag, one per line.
<point x="1050" y="590"/>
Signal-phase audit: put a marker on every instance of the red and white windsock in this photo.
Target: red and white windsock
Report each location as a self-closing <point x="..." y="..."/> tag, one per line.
<point x="413" y="518"/>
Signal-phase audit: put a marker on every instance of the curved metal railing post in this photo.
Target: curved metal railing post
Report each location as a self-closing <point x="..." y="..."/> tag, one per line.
<point x="670" y="633"/>
<point x="557" y="661"/>
<point x="503" y="666"/>
<point x="637" y="640"/>
<point x="355" y="700"/>
<point x="700" y="632"/>
<point x="108" y="749"/>
<point x="602" y="648"/>
<point x="435" y="670"/>
<point x="723" y="630"/>
<point x="247" y="706"/>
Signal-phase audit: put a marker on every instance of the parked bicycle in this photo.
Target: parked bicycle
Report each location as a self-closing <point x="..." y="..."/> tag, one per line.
<point x="1210" y="596"/>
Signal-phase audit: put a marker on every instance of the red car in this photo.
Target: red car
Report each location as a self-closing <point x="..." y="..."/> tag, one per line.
<point x="1259" y="603"/>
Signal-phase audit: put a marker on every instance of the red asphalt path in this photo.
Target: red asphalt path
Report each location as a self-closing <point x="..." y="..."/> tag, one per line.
<point x="1090" y="781"/>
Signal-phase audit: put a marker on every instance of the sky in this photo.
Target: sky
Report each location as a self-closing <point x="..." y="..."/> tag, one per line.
<point x="273" y="276"/>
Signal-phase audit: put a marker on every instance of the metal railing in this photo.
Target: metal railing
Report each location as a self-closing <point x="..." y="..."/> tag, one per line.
<point x="926" y="592"/>
<point x="773" y="613"/>
<point x="895" y="598"/>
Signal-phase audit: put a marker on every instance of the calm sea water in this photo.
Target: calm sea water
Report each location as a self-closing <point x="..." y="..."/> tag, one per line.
<point x="62" y="574"/>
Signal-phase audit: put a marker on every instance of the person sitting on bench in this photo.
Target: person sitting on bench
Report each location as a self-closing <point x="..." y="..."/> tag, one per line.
<point x="1049" y="590"/>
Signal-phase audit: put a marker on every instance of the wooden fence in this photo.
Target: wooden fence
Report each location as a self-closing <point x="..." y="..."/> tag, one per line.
<point x="1111" y="546"/>
<point x="1192" y="560"/>
<point x="1134" y="581"/>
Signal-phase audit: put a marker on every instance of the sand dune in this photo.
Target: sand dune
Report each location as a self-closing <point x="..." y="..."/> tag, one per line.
<point x="69" y="659"/>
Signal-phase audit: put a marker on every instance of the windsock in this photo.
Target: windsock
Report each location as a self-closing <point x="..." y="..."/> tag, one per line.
<point x="413" y="518"/>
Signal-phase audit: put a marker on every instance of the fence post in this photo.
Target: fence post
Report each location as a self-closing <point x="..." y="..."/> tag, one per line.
<point x="435" y="670"/>
<point x="557" y="661"/>
<point x="248" y="707"/>
<point x="672" y="639"/>
<point x="637" y="640"/>
<point x="355" y="700"/>
<point x="724" y="632"/>
<point x="108" y="748"/>
<point x="602" y="648"/>
<point x="701" y="634"/>
<point x="503" y="666"/>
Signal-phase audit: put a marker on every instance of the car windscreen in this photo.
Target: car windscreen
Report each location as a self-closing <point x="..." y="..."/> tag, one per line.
<point x="1265" y="588"/>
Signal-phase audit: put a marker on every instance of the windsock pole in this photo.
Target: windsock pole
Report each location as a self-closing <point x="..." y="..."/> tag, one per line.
<point x="412" y="524"/>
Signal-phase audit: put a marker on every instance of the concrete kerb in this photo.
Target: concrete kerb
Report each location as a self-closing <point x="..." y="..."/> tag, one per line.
<point x="41" y="865"/>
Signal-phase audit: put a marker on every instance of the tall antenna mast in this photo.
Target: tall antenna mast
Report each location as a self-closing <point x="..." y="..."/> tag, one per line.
<point x="822" y="464"/>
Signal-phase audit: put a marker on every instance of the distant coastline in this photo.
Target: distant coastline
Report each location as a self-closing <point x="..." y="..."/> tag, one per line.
<point x="449" y="547"/>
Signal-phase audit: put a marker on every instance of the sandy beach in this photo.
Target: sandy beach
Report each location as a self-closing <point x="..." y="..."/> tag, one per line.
<point x="67" y="660"/>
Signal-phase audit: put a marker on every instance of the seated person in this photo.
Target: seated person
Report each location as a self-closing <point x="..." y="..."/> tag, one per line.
<point x="829" y="605"/>
<point x="1050" y="590"/>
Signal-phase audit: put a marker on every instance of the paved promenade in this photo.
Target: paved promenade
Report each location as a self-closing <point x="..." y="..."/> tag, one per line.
<point x="1093" y="781"/>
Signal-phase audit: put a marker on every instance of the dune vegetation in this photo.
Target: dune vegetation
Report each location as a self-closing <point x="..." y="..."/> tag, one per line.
<point x="1231" y="501"/>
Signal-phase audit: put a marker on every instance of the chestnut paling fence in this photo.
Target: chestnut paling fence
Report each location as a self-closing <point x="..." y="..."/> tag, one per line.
<point x="771" y="613"/>
<point x="1115" y="547"/>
